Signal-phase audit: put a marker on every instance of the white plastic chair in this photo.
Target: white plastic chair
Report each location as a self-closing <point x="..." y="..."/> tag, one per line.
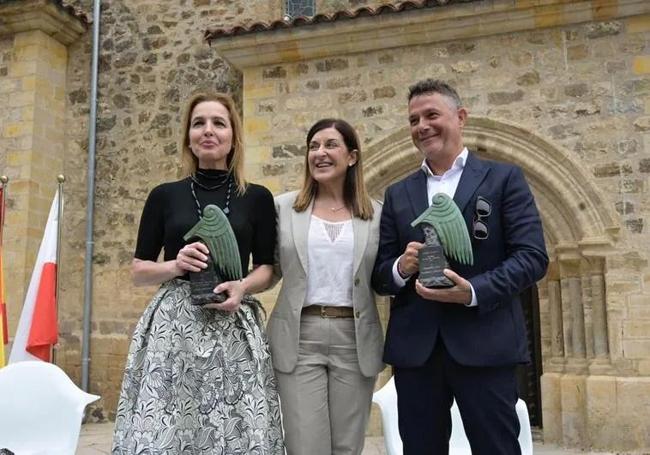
<point x="40" y="409"/>
<point x="386" y="399"/>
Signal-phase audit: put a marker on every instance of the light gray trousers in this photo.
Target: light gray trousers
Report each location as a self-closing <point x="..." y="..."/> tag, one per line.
<point x="326" y="400"/>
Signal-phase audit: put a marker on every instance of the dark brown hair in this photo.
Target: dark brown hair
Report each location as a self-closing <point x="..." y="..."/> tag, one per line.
<point x="355" y="195"/>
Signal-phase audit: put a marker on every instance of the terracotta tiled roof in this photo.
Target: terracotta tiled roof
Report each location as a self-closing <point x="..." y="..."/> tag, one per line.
<point x="398" y="7"/>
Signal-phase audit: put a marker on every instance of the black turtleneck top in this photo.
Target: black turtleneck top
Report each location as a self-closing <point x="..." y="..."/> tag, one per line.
<point x="170" y="211"/>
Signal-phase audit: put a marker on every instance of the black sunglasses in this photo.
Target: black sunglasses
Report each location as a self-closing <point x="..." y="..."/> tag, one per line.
<point x="482" y="210"/>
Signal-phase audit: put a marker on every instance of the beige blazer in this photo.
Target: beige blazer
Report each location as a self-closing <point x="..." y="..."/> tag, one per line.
<point x="283" y="328"/>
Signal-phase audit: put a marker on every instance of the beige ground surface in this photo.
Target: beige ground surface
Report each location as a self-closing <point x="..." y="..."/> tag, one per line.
<point x="96" y="439"/>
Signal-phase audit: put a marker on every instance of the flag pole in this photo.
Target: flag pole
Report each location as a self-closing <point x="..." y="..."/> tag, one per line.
<point x="4" y="180"/>
<point x="59" y="230"/>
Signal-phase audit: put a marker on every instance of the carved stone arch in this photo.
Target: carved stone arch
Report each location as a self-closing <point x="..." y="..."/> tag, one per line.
<point x="571" y="205"/>
<point x="580" y="228"/>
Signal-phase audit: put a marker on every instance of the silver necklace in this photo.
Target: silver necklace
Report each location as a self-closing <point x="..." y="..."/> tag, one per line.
<point x="226" y="208"/>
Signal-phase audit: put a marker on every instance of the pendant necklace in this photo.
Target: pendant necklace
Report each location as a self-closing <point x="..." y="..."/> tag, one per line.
<point x="228" y="180"/>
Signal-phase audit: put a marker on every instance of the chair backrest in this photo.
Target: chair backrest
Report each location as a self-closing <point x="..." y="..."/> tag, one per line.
<point x="386" y="399"/>
<point x="40" y="409"/>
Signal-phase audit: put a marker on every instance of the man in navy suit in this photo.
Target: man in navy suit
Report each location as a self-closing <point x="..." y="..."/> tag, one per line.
<point x="462" y="342"/>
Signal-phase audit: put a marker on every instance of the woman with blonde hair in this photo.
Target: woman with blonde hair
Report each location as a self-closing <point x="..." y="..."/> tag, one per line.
<point x="199" y="379"/>
<point x="325" y="335"/>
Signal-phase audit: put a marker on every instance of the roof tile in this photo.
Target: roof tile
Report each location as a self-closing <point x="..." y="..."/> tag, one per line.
<point x="302" y="21"/>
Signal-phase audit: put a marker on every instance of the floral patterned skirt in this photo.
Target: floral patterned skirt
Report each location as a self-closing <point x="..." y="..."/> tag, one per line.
<point x="198" y="381"/>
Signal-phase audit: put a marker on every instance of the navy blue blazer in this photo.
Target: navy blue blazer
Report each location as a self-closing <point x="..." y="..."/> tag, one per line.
<point x="512" y="258"/>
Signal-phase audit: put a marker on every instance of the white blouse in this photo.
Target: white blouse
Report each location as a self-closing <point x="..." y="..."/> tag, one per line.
<point x="330" y="247"/>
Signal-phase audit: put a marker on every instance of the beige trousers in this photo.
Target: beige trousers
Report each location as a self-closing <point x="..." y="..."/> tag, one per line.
<point x="326" y="400"/>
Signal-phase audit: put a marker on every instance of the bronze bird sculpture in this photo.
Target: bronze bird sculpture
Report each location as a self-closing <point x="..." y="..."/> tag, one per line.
<point x="215" y="231"/>
<point x="443" y="226"/>
<point x="445" y="217"/>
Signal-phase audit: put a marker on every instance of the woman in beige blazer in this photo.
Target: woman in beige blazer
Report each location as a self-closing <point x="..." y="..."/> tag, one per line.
<point x="325" y="335"/>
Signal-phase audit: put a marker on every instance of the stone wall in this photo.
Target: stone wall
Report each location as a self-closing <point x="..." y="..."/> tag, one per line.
<point x="578" y="92"/>
<point x="153" y="57"/>
<point x="32" y="99"/>
<point x="582" y="88"/>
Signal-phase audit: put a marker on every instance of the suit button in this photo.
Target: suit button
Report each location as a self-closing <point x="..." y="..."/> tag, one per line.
<point x="356" y="314"/>
<point x="356" y="281"/>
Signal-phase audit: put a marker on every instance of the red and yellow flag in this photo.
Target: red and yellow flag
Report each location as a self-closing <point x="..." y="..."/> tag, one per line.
<point x="4" y="332"/>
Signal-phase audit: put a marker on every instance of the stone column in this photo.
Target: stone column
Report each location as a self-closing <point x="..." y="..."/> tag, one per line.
<point x="555" y="316"/>
<point x="32" y="131"/>
<point x="599" y="316"/>
<point x="577" y="317"/>
<point x="557" y="328"/>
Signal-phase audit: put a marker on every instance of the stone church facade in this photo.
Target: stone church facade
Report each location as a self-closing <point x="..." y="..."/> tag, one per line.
<point x="560" y="88"/>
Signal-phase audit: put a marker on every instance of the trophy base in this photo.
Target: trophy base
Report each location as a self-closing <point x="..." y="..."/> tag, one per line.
<point x="201" y="285"/>
<point x="432" y="262"/>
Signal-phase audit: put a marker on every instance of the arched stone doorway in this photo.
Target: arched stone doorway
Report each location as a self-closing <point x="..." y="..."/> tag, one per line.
<point x="580" y="233"/>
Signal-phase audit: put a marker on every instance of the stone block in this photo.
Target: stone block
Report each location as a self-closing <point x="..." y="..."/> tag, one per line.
<point x="644" y="165"/>
<point x="528" y="79"/>
<point x="642" y="123"/>
<point x="633" y="413"/>
<point x="624" y="208"/>
<point x="276" y="72"/>
<point x="16" y="129"/>
<point x="641" y="65"/>
<point x="639" y="328"/>
<point x="22" y="68"/>
<point x="343" y="82"/>
<point x="22" y="99"/>
<point x="333" y="64"/>
<point x="260" y="91"/>
<point x="289" y="151"/>
<point x="603" y="29"/>
<point x="638" y="24"/>
<point x="501" y="98"/>
<point x="552" y="407"/>
<point x="256" y="125"/>
<point x="576" y="90"/>
<point x="578" y="52"/>
<point x="612" y="170"/>
<point x="465" y="67"/>
<point x="354" y="96"/>
<point x="636" y="349"/>
<point x="297" y="103"/>
<point x="644" y="367"/>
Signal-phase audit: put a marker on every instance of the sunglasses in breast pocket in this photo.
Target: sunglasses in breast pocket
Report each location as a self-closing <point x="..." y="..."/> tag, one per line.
<point x="480" y="230"/>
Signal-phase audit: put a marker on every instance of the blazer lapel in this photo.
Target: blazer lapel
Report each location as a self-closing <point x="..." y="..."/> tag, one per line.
<point x="416" y="187"/>
<point x="472" y="176"/>
<point x="360" y="229"/>
<point x="300" y="227"/>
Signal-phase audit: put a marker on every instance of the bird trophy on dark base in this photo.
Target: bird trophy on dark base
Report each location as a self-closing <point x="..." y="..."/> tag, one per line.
<point x="445" y="235"/>
<point x="214" y="230"/>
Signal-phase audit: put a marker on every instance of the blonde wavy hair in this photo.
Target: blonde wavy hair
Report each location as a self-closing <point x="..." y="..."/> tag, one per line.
<point x="235" y="159"/>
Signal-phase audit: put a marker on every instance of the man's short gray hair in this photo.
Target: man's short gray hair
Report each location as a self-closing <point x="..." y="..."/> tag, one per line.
<point x="430" y="86"/>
